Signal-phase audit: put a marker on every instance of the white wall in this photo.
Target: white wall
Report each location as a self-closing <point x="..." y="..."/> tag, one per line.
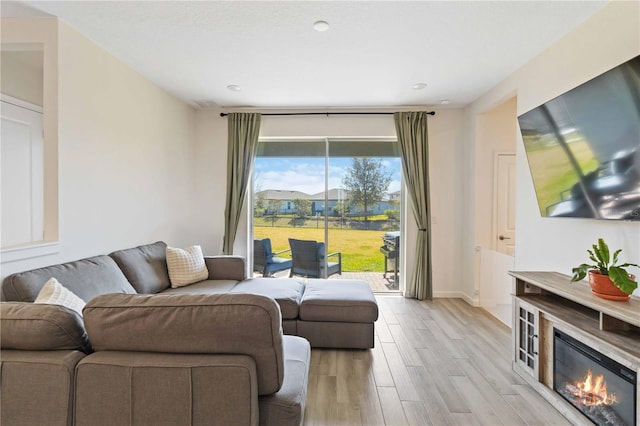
<point x="126" y="151"/>
<point x="445" y="140"/>
<point x="608" y="38"/>
<point x="211" y="172"/>
<point x="496" y="133"/>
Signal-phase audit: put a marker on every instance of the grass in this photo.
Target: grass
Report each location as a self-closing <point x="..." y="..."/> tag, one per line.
<point x="288" y="221"/>
<point x="551" y="174"/>
<point x="360" y="249"/>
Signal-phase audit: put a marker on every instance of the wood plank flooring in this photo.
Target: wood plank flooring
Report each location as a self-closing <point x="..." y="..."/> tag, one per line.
<point x="442" y="362"/>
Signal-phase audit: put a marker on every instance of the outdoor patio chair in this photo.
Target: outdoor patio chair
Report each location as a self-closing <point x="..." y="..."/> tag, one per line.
<point x="308" y="259"/>
<point x="266" y="261"/>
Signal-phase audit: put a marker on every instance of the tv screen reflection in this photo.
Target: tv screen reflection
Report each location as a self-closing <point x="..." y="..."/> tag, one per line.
<point x="583" y="148"/>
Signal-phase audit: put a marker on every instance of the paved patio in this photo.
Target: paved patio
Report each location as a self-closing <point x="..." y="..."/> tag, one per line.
<point x="376" y="281"/>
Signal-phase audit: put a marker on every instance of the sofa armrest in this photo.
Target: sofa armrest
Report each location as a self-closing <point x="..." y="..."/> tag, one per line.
<point x="41" y="327"/>
<point x="226" y="267"/>
<point x="38" y="386"/>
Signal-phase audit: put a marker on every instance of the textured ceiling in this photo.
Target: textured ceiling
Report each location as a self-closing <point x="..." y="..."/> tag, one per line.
<point x="372" y="55"/>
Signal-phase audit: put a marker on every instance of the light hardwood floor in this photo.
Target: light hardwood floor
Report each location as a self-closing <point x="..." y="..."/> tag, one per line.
<point x="434" y="363"/>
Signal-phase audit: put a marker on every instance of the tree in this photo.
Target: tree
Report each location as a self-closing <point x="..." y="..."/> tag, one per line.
<point x="341" y="208"/>
<point x="273" y="207"/>
<point x="302" y="206"/>
<point x="367" y="182"/>
<point x="259" y="208"/>
<point x="392" y="214"/>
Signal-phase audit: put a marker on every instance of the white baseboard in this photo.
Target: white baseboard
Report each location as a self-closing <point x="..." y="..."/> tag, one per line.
<point x="473" y="301"/>
<point x="457" y="295"/>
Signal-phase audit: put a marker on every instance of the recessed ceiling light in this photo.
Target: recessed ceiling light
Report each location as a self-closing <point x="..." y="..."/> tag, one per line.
<point x="321" y="26"/>
<point x="234" y="87"/>
<point x="445" y="102"/>
<point x="419" y="86"/>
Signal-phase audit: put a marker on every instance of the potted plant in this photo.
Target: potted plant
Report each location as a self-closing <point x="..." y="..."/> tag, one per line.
<point x="606" y="278"/>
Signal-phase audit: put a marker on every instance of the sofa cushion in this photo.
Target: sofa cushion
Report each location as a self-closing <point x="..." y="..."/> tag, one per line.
<point x="54" y="293"/>
<point x="186" y="266"/>
<point x="86" y="278"/>
<point x="204" y="287"/>
<point x="145" y="267"/>
<point x="286" y="407"/>
<point x="338" y="300"/>
<point x="31" y="327"/>
<point x="244" y="324"/>
<point x="286" y="291"/>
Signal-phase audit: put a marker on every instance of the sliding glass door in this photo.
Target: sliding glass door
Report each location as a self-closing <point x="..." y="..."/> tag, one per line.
<point x="344" y="193"/>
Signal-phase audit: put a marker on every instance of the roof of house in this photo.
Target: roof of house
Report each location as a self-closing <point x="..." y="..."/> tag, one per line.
<point x="280" y="194"/>
<point x="335" y="194"/>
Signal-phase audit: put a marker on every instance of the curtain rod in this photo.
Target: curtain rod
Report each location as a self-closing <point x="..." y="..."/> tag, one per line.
<point x="224" y="114"/>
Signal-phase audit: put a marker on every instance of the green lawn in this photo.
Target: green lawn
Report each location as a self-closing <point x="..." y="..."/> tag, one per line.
<point x="293" y="221"/>
<point x="551" y="165"/>
<point x="360" y="249"/>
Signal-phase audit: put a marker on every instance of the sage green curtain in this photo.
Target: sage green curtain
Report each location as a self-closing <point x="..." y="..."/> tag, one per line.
<point x="413" y="142"/>
<point x="244" y="129"/>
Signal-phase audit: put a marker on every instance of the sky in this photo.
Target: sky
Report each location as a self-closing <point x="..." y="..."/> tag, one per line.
<point x="306" y="174"/>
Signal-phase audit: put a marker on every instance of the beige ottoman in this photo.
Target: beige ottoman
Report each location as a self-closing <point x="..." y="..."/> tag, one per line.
<point x="337" y="314"/>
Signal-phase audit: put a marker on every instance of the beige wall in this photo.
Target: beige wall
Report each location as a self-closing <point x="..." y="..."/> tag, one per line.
<point x="445" y="141"/>
<point x="126" y="151"/>
<point x="22" y="74"/>
<point x="607" y="39"/>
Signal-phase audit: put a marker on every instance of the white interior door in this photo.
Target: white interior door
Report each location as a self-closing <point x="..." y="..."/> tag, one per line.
<point x="505" y="205"/>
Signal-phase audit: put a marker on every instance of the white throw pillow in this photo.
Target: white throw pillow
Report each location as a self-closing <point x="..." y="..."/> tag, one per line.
<point x="186" y="266"/>
<point x="54" y="293"/>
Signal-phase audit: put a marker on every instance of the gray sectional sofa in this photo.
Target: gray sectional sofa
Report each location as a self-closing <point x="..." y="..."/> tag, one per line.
<point x="221" y="351"/>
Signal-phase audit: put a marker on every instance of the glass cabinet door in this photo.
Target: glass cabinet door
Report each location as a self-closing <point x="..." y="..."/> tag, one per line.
<point x="526" y="351"/>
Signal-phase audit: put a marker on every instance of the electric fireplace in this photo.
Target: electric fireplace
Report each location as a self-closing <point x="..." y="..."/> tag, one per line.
<point x="599" y="387"/>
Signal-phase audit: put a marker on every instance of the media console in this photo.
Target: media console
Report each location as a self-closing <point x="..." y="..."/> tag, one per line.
<point x="548" y="304"/>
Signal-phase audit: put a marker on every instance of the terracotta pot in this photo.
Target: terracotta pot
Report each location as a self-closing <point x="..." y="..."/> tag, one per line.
<point x="603" y="287"/>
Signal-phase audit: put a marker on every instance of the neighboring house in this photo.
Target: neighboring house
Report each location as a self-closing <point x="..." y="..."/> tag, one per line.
<point x="282" y="201"/>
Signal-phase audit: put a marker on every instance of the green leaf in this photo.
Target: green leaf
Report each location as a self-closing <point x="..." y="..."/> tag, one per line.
<point x="626" y="265"/>
<point x="621" y="279"/>
<point x="580" y="272"/>
<point x="603" y="248"/>
<point x="615" y="256"/>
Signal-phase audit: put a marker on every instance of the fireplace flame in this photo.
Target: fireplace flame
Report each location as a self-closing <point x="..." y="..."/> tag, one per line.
<point x="591" y="391"/>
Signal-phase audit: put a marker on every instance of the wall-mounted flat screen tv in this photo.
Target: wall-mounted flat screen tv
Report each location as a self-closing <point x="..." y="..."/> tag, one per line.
<point x="583" y="148"/>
